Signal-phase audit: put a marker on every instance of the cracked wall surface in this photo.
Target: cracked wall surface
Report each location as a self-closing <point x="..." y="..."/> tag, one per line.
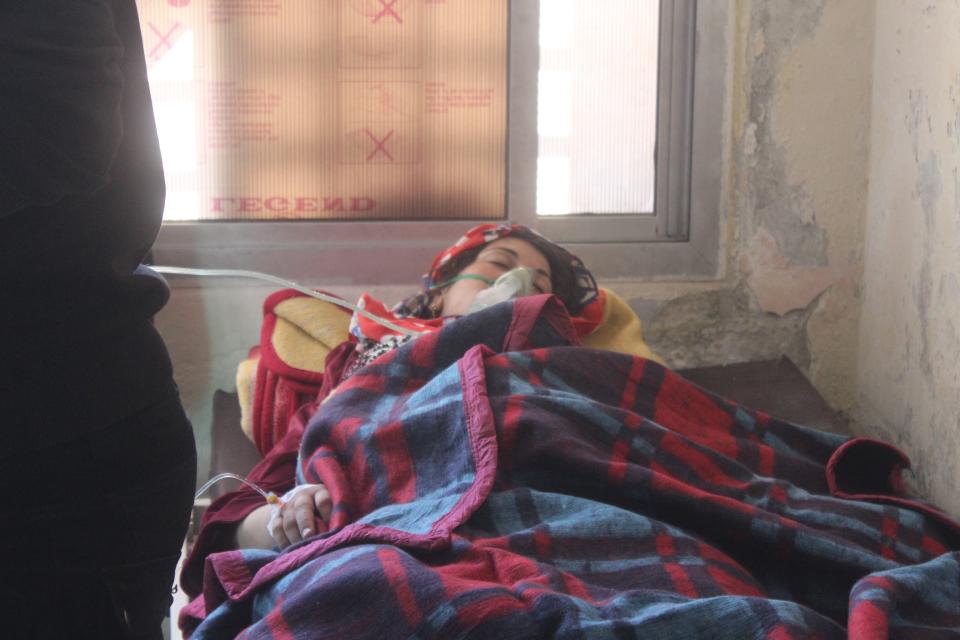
<point x="724" y="324"/>
<point x="909" y="339"/>
<point x="800" y="120"/>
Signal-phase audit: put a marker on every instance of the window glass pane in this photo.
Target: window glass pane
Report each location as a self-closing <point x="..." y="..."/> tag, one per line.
<point x="597" y="105"/>
<point x="329" y="109"/>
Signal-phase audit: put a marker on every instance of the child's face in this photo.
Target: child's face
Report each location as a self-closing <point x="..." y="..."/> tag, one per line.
<point x="493" y="261"/>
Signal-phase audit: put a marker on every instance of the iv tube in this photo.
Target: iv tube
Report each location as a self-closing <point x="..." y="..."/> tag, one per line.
<point x="270" y="497"/>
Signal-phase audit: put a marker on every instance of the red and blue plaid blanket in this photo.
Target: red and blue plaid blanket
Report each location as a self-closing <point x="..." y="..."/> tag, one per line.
<point x="493" y="480"/>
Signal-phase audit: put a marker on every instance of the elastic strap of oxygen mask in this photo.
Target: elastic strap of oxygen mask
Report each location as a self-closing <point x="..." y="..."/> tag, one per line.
<point x="462" y="276"/>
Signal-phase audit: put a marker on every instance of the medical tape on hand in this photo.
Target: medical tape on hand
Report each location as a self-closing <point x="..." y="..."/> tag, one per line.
<point x="282" y="500"/>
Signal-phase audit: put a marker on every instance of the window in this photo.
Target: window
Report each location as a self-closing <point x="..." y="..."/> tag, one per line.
<point x="597" y="130"/>
<point x="600" y="70"/>
<point x="602" y="198"/>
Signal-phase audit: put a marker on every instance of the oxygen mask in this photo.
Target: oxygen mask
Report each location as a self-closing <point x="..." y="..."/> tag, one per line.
<point x="515" y="283"/>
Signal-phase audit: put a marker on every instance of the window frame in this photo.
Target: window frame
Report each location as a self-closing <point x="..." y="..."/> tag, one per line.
<point x="680" y="241"/>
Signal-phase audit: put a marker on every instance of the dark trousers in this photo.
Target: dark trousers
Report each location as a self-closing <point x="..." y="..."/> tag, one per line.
<point x="91" y="530"/>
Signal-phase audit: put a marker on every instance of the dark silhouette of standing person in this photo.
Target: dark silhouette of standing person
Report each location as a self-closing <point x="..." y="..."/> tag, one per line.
<point x="98" y="460"/>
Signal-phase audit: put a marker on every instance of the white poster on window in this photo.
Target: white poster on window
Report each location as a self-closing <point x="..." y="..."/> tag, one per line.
<point x="329" y="109"/>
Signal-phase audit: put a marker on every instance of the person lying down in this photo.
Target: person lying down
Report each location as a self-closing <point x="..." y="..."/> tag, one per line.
<point x="494" y="477"/>
<point x="458" y="279"/>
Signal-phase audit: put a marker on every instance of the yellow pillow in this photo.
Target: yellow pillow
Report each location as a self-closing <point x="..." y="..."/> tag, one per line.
<point x="620" y="330"/>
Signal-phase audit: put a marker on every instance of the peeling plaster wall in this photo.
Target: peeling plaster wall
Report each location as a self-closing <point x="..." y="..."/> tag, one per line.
<point x="797" y="197"/>
<point x="909" y="337"/>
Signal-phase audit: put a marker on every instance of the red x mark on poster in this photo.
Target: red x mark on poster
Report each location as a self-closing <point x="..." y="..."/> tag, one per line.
<point x="379" y="145"/>
<point x="163" y="41"/>
<point x="387" y="10"/>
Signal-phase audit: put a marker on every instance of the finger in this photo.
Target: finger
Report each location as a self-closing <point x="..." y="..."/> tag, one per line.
<point x="276" y="531"/>
<point x="290" y="524"/>
<point x="303" y="514"/>
<point x="323" y="504"/>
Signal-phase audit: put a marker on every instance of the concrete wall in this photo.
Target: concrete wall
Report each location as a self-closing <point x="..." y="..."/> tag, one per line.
<point x="795" y="161"/>
<point x="909" y="338"/>
<point x="800" y="118"/>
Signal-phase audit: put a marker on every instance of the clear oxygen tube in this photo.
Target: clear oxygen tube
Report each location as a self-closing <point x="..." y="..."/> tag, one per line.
<point x="512" y="284"/>
<point x="240" y="273"/>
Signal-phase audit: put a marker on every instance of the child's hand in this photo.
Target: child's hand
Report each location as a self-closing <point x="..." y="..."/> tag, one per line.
<point x="303" y="512"/>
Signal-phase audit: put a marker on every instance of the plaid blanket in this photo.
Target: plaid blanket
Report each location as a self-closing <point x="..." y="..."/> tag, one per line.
<point x="494" y="480"/>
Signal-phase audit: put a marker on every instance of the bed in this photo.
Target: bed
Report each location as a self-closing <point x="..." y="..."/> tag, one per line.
<point x="496" y="480"/>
